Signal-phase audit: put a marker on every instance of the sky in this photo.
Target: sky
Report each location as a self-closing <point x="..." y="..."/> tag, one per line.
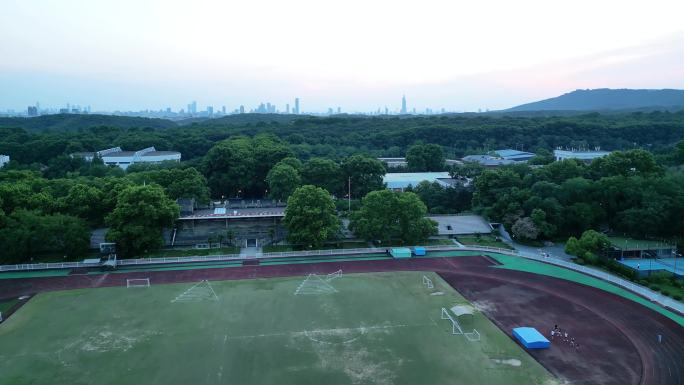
<point x="359" y="55"/>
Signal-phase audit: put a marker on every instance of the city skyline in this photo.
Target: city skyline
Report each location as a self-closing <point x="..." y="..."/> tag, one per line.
<point x="194" y="109"/>
<point x="450" y="55"/>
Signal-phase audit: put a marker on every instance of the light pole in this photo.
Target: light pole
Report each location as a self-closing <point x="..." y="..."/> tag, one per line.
<point x="349" y="195"/>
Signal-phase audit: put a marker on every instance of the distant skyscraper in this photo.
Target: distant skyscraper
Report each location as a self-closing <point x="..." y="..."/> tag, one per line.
<point x="32" y="111"/>
<point x="210" y="110"/>
<point x="192" y="107"/>
<point x="242" y="109"/>
<point x="223" y="110"/>
<point x="386" y="111"/>
<point x="287" y="108"/>
<point x="403" y="105"/>
<point x="339" y="110"/>
<point x="330" y="111"/>
<point x="296" y="107"/>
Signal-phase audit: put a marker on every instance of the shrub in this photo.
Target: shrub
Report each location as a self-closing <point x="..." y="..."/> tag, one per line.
<point x="666" y="292"/>
<point x="580" y="261"/>
<point x="678" y="297"/>
<point x="654" y="287"/>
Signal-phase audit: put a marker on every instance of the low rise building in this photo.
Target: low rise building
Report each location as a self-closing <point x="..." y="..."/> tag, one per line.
<point x="514" y="155"/>
<point x="4" y="159"/>
<point x="401" y="162"/>
<point x="399" y="181"/>
<point x="115" y="156"/>
<point x="488" y="160"/>
<point x="584" y="156"/>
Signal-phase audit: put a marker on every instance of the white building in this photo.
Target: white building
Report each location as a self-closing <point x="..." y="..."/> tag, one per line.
<point x="4" y="159"/>
<point x="117" y="157"/>
<point x="584" y="156"/>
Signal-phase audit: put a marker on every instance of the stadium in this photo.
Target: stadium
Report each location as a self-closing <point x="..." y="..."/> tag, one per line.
<point x="447" y="317"/>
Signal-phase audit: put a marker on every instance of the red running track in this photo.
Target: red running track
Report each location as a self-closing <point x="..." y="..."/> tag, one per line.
<point x="617" y="337"/>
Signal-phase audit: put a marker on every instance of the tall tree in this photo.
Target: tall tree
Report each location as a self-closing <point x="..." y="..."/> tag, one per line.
<point x="324" y="173"/>
<point x="425" y="157"/>
<point x="390" y="216"/>
<point x="365" y="174"/>
<point x="310" y="217"/>
<point x="140" y="215"/>
<point x="229" y="167"/>
<point x="282" y="180"/>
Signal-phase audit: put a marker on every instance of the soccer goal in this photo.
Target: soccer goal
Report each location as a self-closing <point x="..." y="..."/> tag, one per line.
<point x="138" y="282"/>
<point x="334" y="275"/>
<point x="473" y="336"/>
<point x="427" y="282"/>
<point x="455" y="326"/>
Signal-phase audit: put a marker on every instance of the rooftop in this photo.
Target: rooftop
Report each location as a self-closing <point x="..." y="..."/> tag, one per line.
<point x="461" y="224"/>
<point x="405" y="179"/>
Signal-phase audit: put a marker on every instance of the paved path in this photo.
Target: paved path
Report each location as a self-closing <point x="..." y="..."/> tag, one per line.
<point x="556" y="251"/>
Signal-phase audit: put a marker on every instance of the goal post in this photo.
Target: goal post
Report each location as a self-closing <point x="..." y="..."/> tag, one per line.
<point x="427" y="282"/>
<point x="455" y="326"/>
<point x="137" y="282"/>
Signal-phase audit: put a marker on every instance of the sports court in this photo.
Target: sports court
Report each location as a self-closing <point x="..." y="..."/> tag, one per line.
<point x="672" y="265"/>
<point x="337" y="328"/>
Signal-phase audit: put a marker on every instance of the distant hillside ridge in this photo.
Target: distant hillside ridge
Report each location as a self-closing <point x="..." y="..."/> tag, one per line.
<point x="75" y="122"/>
<point x="608" y="99"/>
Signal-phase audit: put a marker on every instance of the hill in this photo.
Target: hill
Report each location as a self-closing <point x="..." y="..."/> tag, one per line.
<point x="606" y="99"/>
<point x="74" y="122"/>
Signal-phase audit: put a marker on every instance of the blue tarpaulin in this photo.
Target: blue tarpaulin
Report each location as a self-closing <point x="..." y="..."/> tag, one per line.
<point x="419" y="250"/>
<point x="531" y="338"/>
<point x="401" y="252"/>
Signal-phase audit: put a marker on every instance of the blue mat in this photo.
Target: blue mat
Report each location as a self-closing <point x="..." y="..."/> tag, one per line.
<point x="531" y="338"/>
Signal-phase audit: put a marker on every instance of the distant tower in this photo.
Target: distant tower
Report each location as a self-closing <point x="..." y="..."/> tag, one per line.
<point x="296" y="107"/>
<point x="287" y="108"/>
<point x="242" y="109"/>
<point x="403" y="105"/>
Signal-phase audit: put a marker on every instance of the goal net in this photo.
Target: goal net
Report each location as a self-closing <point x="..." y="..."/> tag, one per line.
<point x="201" y="291"/>
<point x="314" y="284"/>
<point x="455" y="326"/>
<point x="138" y="282"/>
<point x="427" y="282"/>
<point x="334" y="275"/>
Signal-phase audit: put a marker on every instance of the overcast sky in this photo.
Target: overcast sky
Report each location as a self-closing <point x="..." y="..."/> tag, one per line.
<point x="356" y="54"/>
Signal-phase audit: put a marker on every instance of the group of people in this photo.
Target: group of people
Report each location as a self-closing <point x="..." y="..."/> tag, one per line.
<point x="563" y="335"/>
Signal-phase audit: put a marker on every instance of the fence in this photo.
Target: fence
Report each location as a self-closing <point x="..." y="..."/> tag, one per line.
<point x="640" y="290"/>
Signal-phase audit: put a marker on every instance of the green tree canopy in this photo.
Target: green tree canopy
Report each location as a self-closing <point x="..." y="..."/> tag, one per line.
<point x="140" y="215"/>
<point x="425" y="157"/>
<point x="365" y="173"/>
<point x="282" y="180"/>
<point x="310" y="217"/>
<point x="324" y="173"/>
<point x="392" y="216"/>
<point x="30" y="234"/>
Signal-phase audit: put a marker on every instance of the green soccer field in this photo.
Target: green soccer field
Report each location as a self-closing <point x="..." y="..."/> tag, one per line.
<point x="380" y="328"/>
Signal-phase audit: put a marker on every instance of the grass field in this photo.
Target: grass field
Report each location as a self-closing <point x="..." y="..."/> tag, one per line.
<point x="380" y="328"/>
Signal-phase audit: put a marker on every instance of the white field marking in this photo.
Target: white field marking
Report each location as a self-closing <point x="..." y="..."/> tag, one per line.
<point x="190" y="296"/>
<point x="510" y="361"/>
<point x="362" y="329"/>
<point x="314" y="284"/>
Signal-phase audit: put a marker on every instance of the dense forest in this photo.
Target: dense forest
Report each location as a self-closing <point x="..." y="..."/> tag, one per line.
<point x="341" y="136"/>
<point x="49" y="200"/>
